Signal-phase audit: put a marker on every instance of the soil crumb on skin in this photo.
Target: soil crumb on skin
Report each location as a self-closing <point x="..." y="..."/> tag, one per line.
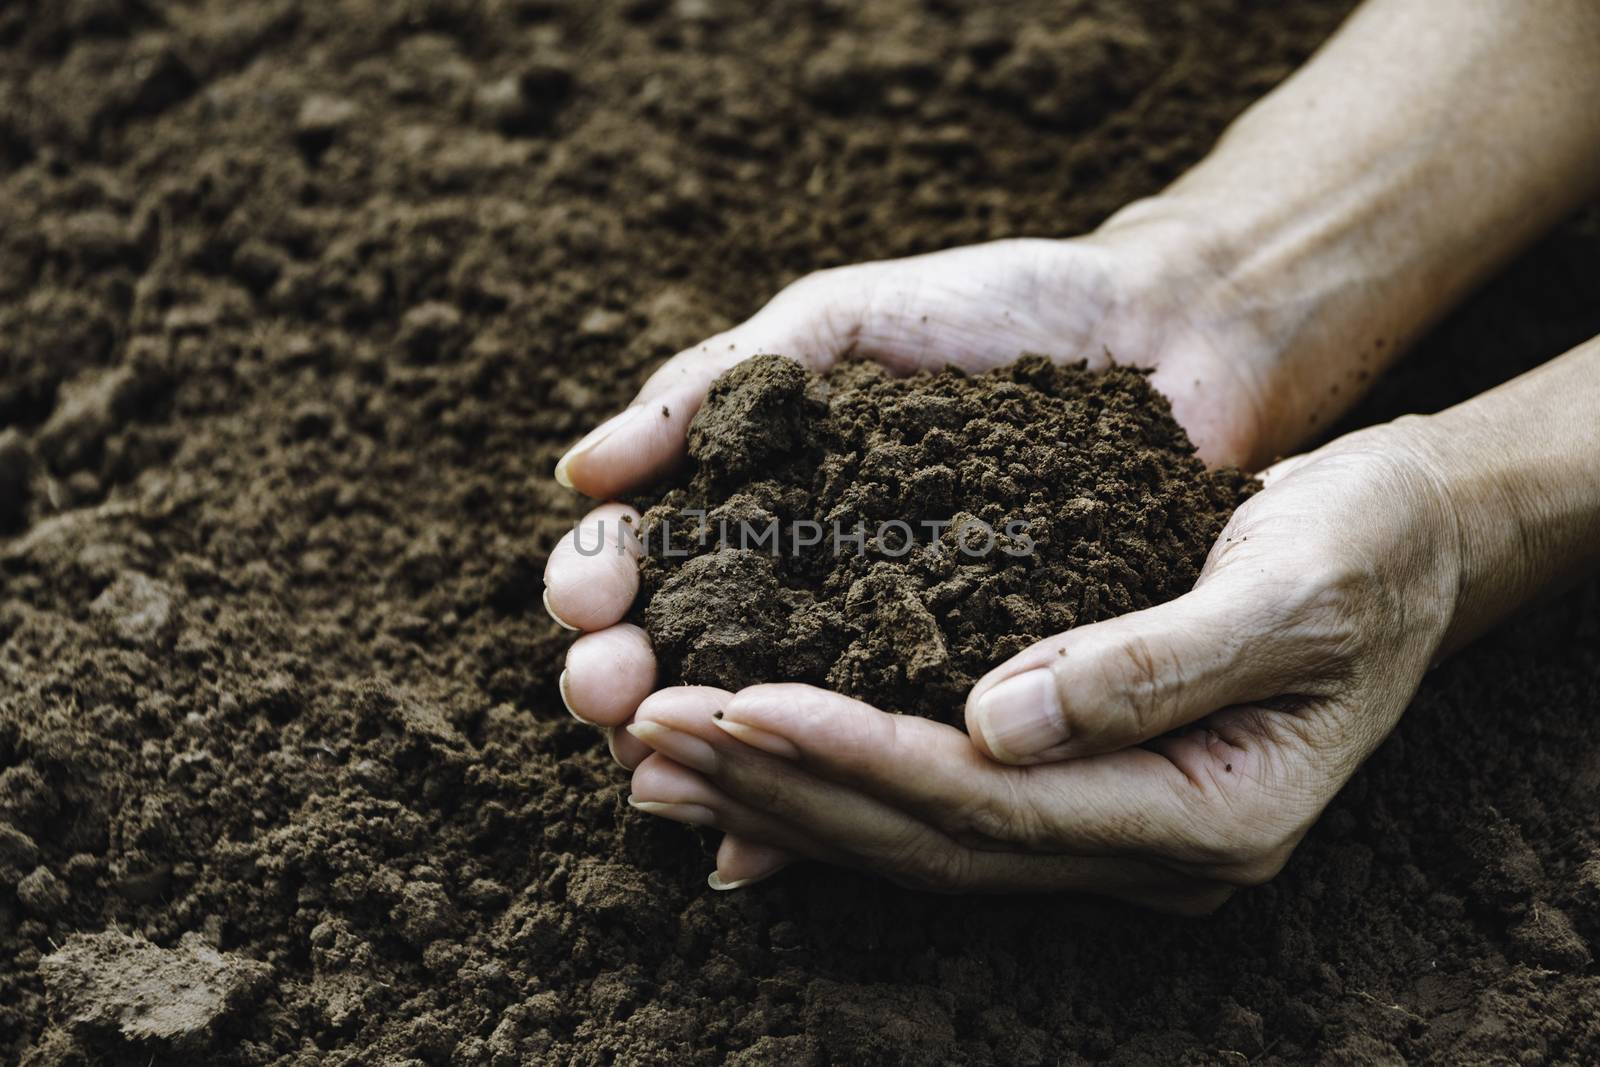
<point x="894" y="538"/>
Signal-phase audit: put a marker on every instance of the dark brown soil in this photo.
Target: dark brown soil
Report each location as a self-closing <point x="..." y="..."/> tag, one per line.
<point x="893" y="539"/>
<point x="299" y="302"/>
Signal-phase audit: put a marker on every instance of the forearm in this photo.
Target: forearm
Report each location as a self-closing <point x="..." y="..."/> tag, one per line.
<point x="1423" y="146"/>
<point x="1520" y="467"/>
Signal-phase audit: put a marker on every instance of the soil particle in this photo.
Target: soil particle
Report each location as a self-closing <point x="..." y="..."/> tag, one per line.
<point x="883" y="1023"/>
<point x="18" y="854"/>
<point x="426" y="913"/>
<point x="42" y="893"/>
<point x="322" y="119"/>
<point x="1547" y="938"/>
<point x="84" y="414"/>
<point x="104" y="83"/>
<point x="116" y="988"/>
<point x="527" y="102"/>
<point x="432" y="331"/>
<point x="618" y="891"/>
<point x="992" y="511"/>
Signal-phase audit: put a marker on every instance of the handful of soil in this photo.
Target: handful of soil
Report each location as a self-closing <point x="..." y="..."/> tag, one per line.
<point x="894" y="538"/>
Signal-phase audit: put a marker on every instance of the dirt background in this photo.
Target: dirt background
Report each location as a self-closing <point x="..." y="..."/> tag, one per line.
<point x="299" y="303"/>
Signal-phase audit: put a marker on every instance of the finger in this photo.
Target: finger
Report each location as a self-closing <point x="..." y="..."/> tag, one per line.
<point x="922" y="766"/>
<point x="592" y="574"/>
<point x="661" y="786"/>
<point x="665" y="788"/>
<point x="744" y="790"/>
<point x="743" y="787"/>
<point x="812" y="321"/>
<point x="608" y="675"/>
<point x="679" y="724"/>
<point x="628" y="751"/>
<point x="1123" y="802"/>
<point x="1112" y="684"/>
<point x="794" y="810"/>
<point x="743" y="862"/>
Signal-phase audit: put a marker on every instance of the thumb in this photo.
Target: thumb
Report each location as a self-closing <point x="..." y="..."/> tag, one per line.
<point x="1109" y="685"/>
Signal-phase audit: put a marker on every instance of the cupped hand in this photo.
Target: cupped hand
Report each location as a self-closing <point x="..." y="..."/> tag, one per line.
<point x="1166" y="757"/>
<point x="1135" y="292"/>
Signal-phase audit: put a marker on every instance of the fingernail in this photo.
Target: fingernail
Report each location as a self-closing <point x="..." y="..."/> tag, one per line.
<point x="689" y="751"/>
<point x="755" y="737"/>
<point x="1021" y="716"/>
<point x="566" y="699"/>
<point x="552" y="613"/>
<point x="611" y="745"/>
<point x="694" y="814"/>
<point x="714" y="880"/>
<point x="590" y="440"/>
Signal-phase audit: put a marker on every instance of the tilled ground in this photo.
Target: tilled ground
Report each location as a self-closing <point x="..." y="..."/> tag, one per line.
<point x="298" y="304"/>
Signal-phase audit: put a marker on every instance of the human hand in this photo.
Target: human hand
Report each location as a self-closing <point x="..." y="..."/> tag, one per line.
<point x="1166" y="757"/>
<point x="1136" y="290"/>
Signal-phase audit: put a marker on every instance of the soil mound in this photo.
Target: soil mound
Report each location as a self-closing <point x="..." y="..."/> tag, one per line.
<point x="127" y="993"/>
<point x="893" y="538"/>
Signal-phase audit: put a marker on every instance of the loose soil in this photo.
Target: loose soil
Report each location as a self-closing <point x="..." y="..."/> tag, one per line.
<point x="299" y="303"/>
<point x="893" y="539"/>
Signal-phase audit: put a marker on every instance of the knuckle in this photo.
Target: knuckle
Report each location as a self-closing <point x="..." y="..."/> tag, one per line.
<point x="868" y="733"/>
<point x="987" y="822"/>
<point x="1146" y="680"/>
<point x="1121" y="695"/>
<point x="1340" y="588"/>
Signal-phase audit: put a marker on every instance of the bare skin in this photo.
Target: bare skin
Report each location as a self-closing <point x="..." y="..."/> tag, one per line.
<point x="1334" y="221"/>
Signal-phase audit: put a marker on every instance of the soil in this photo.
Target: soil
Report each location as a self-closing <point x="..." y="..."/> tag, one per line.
<point x="894" y="538"/>
<point x="299" y="303"/>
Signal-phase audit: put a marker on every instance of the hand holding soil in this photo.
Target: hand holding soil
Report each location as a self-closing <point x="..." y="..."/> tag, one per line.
<point x="1167" y="756"/>
<point x="974" y="308"/>
<point x="1171" y="754"/>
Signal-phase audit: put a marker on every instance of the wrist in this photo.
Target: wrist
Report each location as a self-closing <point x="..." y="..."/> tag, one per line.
<point x="1520" y="470"/>
<point x="1275" y="296"/>
<point x="1438" y="543"/>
